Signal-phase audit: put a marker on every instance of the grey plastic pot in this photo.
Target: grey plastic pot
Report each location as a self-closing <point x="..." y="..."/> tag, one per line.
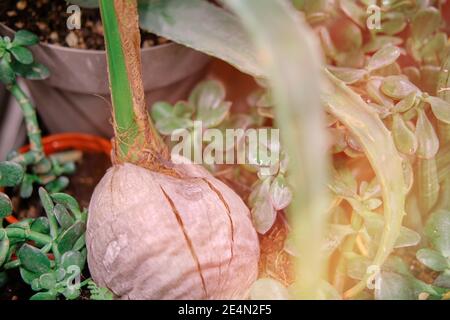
<point x="76" y="96"/>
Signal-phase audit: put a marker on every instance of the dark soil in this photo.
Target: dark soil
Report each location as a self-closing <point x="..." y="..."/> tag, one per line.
<point x="90" y="170"/>
<point x="48" y="19"/>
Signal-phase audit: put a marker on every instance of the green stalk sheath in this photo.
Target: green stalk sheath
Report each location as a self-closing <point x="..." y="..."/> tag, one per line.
<point x="428" y="184"/>
<point x="291" y="60"/>
<point x="380" y="149"/>
<point x="125" y="123"/>
<point x="36" y="152"/>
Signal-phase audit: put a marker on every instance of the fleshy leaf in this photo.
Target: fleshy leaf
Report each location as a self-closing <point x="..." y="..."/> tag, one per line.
<point x="280" y="193"/>
<point x="432" y="259"/>
<point x="384" y="57"/>
<point x="48" y="295"/>
<point x="72" y="258"/>
<point x="68" y="238"/>
<point x="161" y="110"/>
<point x="437" y="230"/>
<point x="22" y="54"/>
<point x="348" y="75"/>
<point x="392" y="286"/>
<point x="426" y="21"/>
<point x="25" y="38"/>
<point x="428" y="141"/>
<point x="441" y="108"/>
<point x="263" y="212"/>
<point x="33" y="71"/>
<point x="11" y="174"/>
<point x="5" y="206"/>
<point x="398" y="87"/>
<point x="268" y="289"/>
<point x="33" y="259"/>
<point x="405" y="140"/>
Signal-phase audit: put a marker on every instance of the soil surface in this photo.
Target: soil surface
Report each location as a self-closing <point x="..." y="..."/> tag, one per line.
<point x="48" y="19"/>
<point x="90" y="170"/>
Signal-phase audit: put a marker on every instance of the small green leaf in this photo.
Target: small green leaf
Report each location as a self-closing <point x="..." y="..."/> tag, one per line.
<point x="432" y="259"/>
<point x="428" y="141"/>
<point x="392" y="286"/>
<point x="207" y="95"/>
<point x="11" y="174"/>
<point x="383" y="58"/>
<point x="398" y="87"/>
<point x="72" y="258"/>
<point x="213" y="117"/>
<point x="71" y="293"/>
<point x="170" y="125"/>
<point x="5" y="206"/>
<point x="348" y="75"/>
<point x="47" y="281"/>
<point x="33" y="71"/>
<point x="405" y="140"/>
<point x="443" y="280"/>
<point x="425" y="23"/>
<point x="441" y="108"/>
<point x="41" y="225"/>
<point x="25" y="38"/>
<point x="26" y="188"/>
<point x="268" y="289"/>
<point x="33" y="259"/>
<point x="437" y="230"/>
<point x="405" y="104"/>
<point x="280" y="193"/>
<point x="49" y="295"/>
<point x="22" y="54"/>
<point x="68" y="238"/>
<point x="263" y="212"/>
<point x="7" y="75"/>
<point x="161" y="110"/>
<point x="63" y="216"/>
<point x="67" y="201"/>
<point x="58" y="184"/>
<point x="28" y="276"/>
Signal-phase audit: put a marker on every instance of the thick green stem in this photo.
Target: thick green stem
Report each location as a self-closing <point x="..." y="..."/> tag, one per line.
<point x="39" y="238"/>
<point x="36" y="152"/>
<point x="135" y="136"/>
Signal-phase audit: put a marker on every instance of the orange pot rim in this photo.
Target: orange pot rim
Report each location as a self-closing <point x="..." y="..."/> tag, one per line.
<point x="69" y="141"/>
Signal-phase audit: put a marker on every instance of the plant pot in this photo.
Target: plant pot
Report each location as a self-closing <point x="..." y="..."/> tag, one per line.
<point x="70" y="141"/>
<point x="75" y="98"/>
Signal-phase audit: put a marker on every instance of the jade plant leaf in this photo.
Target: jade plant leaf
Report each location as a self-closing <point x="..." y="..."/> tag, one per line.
<point x="25" y="38"/>
<point x="397" y="87"/>
<point x="7" y="75"/>
<point x="280" y="193"/>
<point x="428" y="141"/>
<point x="41" y="225"/>
<point x="28" y="276"/>
<point x="437" y="230"/>
<point x="33" y="259"/>
<point x="383" y="58"/>
<point x="179" y="21"/>
<point x="425" y="23"/>
<point x="72" y="258"/>
<point x="348" y="75"/>
<point x="432" y="259"/>
<point x="69" y="237"/>
<point x="405" y="140"/>
<point x="208" y="99"/>
<point x="33" y="71"/>
<point x="63" y="216"/>
<point x="48" y="295"/>
<point x="11" y="174"/>
<point x="263" y="212"/>
<point x="393" y="286"/>
<point x="268" y="289"/>
<point x="47" y="281"/>
<point x="441" y="108"/>
<point x="67" y="201"/>
<point x="161" y="110"/>
<point x="22" y="54"/>
<point x="5" y="206"/>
